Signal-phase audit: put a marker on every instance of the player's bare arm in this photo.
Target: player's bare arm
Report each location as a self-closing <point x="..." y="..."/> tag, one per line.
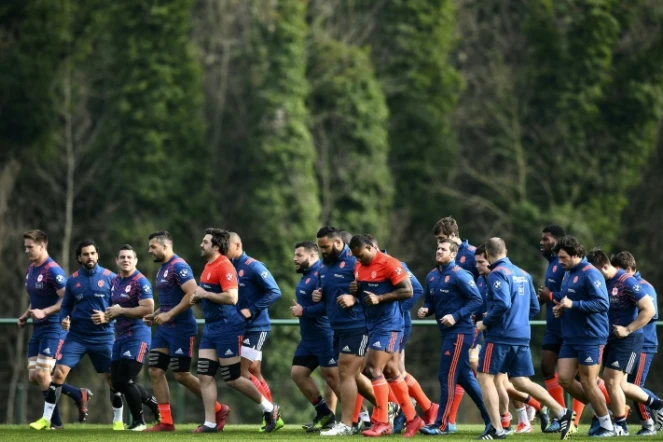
<point x="402" y="290"/>
<point x="188" y="288"/>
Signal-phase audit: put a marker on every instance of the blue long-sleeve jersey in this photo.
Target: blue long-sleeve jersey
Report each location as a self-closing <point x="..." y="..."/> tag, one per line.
<point x="466" y="260"/>
<point x="511" y="303"/>
<point x="409" y="303"/>
<point x="257" y="292"/>
<point x="554" y="276"/>
<point x="314" y="323"/>
<point x="451" y="290"/>
<point x="335" y="278"/>
<point x="86" y="291"/>
<point x="587" y="320"/>
<point x="650" y="344"/>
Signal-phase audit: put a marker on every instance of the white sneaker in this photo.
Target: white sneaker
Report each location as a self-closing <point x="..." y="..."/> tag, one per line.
<point x="531" y="413"/>
<point x="339" y="429"/>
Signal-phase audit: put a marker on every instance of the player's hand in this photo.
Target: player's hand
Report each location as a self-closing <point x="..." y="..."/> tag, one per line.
<point x="346" y="301"/>
<point x="98" y="317"/>
<point x="543" y="294"/>
<point x="296" y="310"/>
<point x="316" y="296"/>
<point x="162" y="318"/>
<point x="22" y="320"/>
<point x="196" y="296"/>
<point x="37" y="314"/>
<point x="246" y="313"/>
<point x="620" y="331"/>
<point x="148" y="319"/>
<point x="113" y="311"/>
<point x="448" y="321"/>
<point x="558" y="309"/>
<point x="371" y="298"/>
<point x="480" y="326"/>
<point x="353" y="287"/>
<point x="422" y="312"/>
<point x="66" y="322"/>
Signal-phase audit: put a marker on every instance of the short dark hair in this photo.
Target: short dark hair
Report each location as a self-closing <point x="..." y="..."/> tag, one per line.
<point x="570" y="245"/>
<point x="162" y="236"/>
<point x="447" y="226"/>
<point x="220" y="238"/>
<point x="85" y="243"/>
<point x="329" y="232"/>
<point x="309" y="246"/>
<point x="38" y="236"/>
<point x="372" y="239"/>
<point x="623" y="260"/>
<point x="598" y="258"/>
<point x="481" y="250"/>
<point x="345" y="236"/>
<point x="556" y="231"/>
<point x="453" y="247"/>
<point x="495" y="247"/>
<point x="360" y="241"/>
<point x="126" y="247"/>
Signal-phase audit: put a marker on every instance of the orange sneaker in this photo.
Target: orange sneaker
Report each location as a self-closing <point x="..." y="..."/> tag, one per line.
<point x="412" y="427"/>
<point x="161" y="427"/>
<point x="378" y="429"/>
<point x="431" y="414"/>
<point x="221" y="416"/>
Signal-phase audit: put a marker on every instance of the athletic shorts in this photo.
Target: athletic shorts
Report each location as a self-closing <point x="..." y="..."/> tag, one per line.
<point x="407" y="331"/>
<point x="353" y="341"/>
<point x="255" y="339"/>
<point x="46" y="341"/>
<point x="133" y="347"/>
<point x="515" y="360"/>
<point x="552" y="342"/>
<point x="389" y="341"/>
<point x="177" y="343"/>
<point x="585" y="354"/>
<point x="622" y="354"/>
<point x="74" y="348"/>
<point x="314" y="354"/>
<point x="227" y="344"/>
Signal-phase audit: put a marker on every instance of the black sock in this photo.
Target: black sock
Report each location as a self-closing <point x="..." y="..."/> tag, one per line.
<point x="321" y="407"/>
<point x="55" y="418"/>
<point x="134" y="401"/>
<point x="116" y="398"/>
<point x="145" y="397"/>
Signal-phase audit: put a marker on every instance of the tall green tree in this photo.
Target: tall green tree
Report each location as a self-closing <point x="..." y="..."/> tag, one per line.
<point x="349" y="124"/>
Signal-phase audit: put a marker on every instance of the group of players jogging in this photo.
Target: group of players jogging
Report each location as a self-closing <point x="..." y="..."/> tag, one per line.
<point x="353" y="303"/>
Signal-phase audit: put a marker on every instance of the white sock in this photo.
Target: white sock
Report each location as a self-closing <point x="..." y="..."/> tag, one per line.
<point x="364" y="416"/>
<point x="561" y="413"/>
<point x="209" y="424"/>
<point x="648" y="423"/>
<point x="117" y="414"/>
<point x="500" y="431"/>
<point x="266" y="406"/>
<point x="522" y="415"/>
<point x="48" y="411"/>
<point x="606" y="422"/>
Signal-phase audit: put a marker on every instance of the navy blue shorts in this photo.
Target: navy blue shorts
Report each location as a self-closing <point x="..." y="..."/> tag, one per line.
<point x="641" y="369"/>
<point x="313" y="354"/>
<point x="133" y="347"/>
<point x="622" y="354"/>
<point x="227" y="344"/>
<point x="353" y="341"/>
<point x="179" y="344"/>
<point x="590" y="354"/>
<point x="74" y="348"/>
<point x="255" y="339"/>
<point x="515" y="360"/>
<point x="46" y="341"/>
<point x="552" y="341"/>
<point x="389" y="341"/>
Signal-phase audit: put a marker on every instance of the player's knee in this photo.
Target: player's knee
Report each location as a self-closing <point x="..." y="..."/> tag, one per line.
<point x="372" y="372"/>
<point x="59" y="375"/>
<point x="297" y="374"/>
<point x="180" y="365"/>
<point x="230" y="373"/>
<point x="182" y="376"/>
<point x="254" y="368"/>
<point x="119" y="383"/>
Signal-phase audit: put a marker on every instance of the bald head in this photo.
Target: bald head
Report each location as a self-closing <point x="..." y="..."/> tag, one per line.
<point x="235" y="248"/>
<point x="495" y="249"/>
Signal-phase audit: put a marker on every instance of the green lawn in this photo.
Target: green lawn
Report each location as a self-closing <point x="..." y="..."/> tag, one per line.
<point x="103" y="433"/>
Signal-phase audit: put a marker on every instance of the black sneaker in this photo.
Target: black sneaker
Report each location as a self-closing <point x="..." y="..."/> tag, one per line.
<point x="205" y="429"/>
<point x="86" y="394"/>
<point x="566" y="423"/>
<point x="491" y="434"/>
<point x="322" y="422"/>
<point x="273" y="420"/>
<point x="153" y="405"/>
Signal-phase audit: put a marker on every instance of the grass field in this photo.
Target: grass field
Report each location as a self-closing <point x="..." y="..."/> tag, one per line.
<point x="103" y="433"/>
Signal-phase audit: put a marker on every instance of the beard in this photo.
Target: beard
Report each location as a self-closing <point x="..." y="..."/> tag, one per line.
<point x="303" y="267"/>
<point x="333" y="255"/>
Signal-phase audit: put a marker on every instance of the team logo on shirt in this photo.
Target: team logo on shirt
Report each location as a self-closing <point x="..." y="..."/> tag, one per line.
<point x="447" y="278"/>
<point x="471" y="283"/>
<point x="241" y="273"/>
<point x="127" y="288"/>
<point x="342" y="264"/>
<point x="264" y="274"/>
<point x="575" y="279"/>
<point x="636" y="288"/>
<point x="462" y="259"/>
<point x="597" y="283"/>
<point x="307" y="280"/>
<point x="373" y="275"/>
<point x="615" y="291"/>
<point x="497" y="285"/>
<point x="59" y="278"/>
<point x="209" y="275"/>
<point x="399" y="270"/>
<point x="40" y="278"/>
<point x="229" y="276"/>
<point x="165" y="273"/>
<point x="146" y="288"/>
<point x="554" y="269"/>
<point x="100" y="283"/>
<point x="184" y="273"/>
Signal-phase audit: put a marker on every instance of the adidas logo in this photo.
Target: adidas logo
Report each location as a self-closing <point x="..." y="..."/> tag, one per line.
<point x="246" y="341"/>
<point x="377" y="345"/>
<point x="179" y="351"/>
<point x="127" y="353"/>
<point x="47" y="351"/>
<point x="615" y="364"/>
<point x="228" y="352"/>
<point x="589" y="359"/>
<point x="331" y="361"/>
<point x="346" y="348"/>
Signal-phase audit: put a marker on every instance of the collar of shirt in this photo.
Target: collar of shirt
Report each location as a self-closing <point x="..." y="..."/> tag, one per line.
<point x="444" y="267"/>
<point x="241" y="259"/>
<point x="314" y="268"/>
<point x="504" y="260"/>
<point x="580" y="265"/>
<point x="87" y="272"/>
